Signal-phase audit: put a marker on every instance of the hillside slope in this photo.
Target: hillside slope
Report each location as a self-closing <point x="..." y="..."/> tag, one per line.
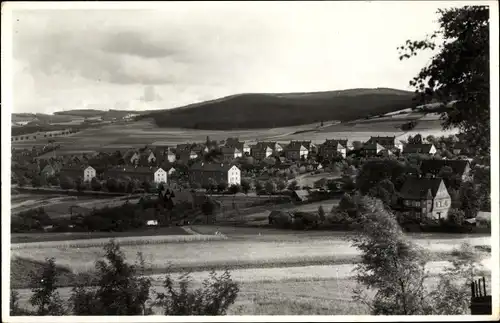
<point x="254" y="111"/>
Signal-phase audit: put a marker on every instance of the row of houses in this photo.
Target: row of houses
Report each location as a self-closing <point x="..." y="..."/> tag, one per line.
<point x="202" y="173"/>
<point x="233" y="148"/>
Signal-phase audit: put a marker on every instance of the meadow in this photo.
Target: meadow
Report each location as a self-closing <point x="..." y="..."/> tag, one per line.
<point x="145" y="132"/>
<point x="235" y="249"/>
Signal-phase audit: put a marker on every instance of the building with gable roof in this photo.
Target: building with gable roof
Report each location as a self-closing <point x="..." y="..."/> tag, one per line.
<point x="203" y="173"/>
<point x="425" y="197"/>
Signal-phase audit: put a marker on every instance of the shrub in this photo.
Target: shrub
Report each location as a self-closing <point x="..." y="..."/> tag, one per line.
<point x="95" y="184"/>
<point x="66" y="183"/>
<point x="455" y="218"/>
<point x="120" y="288"/>
<point x="214" y="298"/>
<point x="45" y="298"/>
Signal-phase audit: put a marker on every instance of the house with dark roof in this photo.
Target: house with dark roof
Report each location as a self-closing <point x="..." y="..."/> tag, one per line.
<point x="295" y="151"/>
<point x="203" y="173"/>
<point x="308" y="144"/>
<point x="387" y="142"/>
<point x="425" y="197"/>
<point x="242" y="146"/>
<point x="230" y="153"/>
<point x="373" y="149"/>
<point x="432" y="167"/>
<point x="187" y="155"/>
<point x="260" y="152"/>
<point x="428" y="149"/>
<point x="331" y="148"/>
<point x="276" y="147"/>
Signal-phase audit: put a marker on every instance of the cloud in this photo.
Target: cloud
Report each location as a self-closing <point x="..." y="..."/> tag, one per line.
<point x="186" y="53"/>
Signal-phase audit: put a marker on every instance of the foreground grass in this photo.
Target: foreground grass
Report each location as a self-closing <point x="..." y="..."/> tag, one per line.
<point x="279" y="297"/>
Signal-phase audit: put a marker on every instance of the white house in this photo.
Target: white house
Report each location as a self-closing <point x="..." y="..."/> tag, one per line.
<point x="88" y="174"/>
<point x="171" y="171"/>
<point x="160" y="176"/>
<point x="234" y="176"/>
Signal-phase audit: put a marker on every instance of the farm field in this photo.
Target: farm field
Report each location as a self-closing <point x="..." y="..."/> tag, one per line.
<point x="57" y="206"/>
<point x="247" y="248"/>
<point x="145" y="132"/>
<point x="71" y="236"/>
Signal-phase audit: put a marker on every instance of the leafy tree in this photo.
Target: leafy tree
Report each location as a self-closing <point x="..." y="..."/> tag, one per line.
<point x="430" y="139"/>
<point x="417" y="139"/>
<point x="222" y="186"/>
<point x="470" y="199"/>
<point x="281" y="185"/>
<point x="452" y="294"/>
<point x="293" y="185"/>
<point x="112" y="185"/>
<point x="66" y="183"/>
<point x="208" y="208"/>
<point x="258" y="186"/>
<point x="397" y="274"/>
<point x="21" y="181"/>
<point x="374" y="171"/>
<point x="456" y="217"/>
<point x="213" y="298"/>
<point x="95" y="184"/>
<point x="79" y="184"/>
<point x="270" y="187"/>
<point x="357" y="145"/>
<point x="212" y="184"/>
<point x="36" y="181"/>
<point x="121" y="288"/>
<point x="45" y="297"/>
<point x="245" y="186"/>
<point x="321" y="213"/>
<point x="147" y="186"/>
<point x="459" y="71"/>
<point x="53" y="180"/>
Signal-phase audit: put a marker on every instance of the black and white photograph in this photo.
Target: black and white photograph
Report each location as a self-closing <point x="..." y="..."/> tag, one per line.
<point x="250" y="161"/>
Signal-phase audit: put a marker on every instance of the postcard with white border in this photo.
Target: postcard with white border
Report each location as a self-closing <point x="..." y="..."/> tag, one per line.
<point x="250" y="161"/>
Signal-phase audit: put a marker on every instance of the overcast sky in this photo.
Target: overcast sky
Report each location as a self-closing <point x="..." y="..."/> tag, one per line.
<point x="190" y="52"/>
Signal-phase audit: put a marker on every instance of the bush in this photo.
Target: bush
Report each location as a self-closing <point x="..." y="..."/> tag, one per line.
<point x="66" y="183"/>
<point x="45" y="298"/>
<point x="95" y="184"/>
<point x="456" y="218"/>
<point x="214" y="298"/>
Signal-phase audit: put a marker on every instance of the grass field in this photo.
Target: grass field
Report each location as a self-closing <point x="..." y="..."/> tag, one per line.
<point x="256" y="248"/>
<point x="16" y="238"/>
<point x="57" y="206"/>
<point x="145" y="132"/>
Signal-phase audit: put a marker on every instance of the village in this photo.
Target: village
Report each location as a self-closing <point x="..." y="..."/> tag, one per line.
<point x="431" y="174"/>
